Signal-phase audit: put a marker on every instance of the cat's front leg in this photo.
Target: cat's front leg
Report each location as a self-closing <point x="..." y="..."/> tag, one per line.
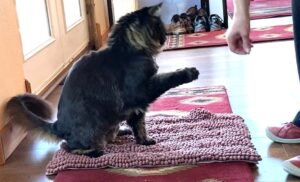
<point x="137" y="122"/>
<point x="163" y="82"/>
<point x="187" y="75"/>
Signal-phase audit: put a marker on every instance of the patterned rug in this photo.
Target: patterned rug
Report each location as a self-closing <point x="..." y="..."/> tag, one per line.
<point x="261" y="9"/>
<point x="178" y="111"/>
<point x="217" y="38"/>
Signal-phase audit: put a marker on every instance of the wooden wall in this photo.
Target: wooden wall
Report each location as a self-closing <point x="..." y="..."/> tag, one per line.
<point x="102" y="21"/>
<point x="14" y="69"/>
<point x="12" y="81"/>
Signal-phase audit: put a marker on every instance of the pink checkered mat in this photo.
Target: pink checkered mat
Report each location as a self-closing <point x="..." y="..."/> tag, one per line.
<point x="199" y="137"/>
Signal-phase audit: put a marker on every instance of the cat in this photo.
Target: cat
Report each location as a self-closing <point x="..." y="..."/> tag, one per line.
<point x="104" y="88"/>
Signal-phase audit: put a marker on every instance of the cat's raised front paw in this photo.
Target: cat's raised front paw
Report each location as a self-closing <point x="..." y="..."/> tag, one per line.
<point x="190" y="73"/>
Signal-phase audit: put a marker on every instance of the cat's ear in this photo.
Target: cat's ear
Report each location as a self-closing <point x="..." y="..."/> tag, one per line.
<point x="155" y="10"/>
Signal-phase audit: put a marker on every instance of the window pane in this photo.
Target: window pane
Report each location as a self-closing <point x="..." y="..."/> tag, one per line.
<point x="33" y="23"/>
<point x="72" y="12"/>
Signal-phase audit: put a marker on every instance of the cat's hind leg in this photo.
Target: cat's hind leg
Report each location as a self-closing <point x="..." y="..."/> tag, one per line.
<point x="95" y="150"/>
<point x="91" y="152"/>
<point x="137" y="122"/>
<point x="115" y="131"/>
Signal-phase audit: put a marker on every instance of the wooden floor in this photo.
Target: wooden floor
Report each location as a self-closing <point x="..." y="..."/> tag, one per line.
<point x="263" y="88"/>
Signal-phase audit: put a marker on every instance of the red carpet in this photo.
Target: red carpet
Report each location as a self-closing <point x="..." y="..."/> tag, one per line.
<point x="261" y="9"/>
<point x="177" y="101"/>
<point x="217" y="38"/>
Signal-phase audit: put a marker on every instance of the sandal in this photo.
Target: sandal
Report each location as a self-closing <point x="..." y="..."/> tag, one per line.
<point x="192" y="12"/>
<point x="177" y="25"/>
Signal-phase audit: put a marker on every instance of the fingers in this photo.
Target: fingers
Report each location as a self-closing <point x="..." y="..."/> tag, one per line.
<point x="239" y="51"/>
<point x="246" y="44"/>
<point x="240" y="44"/>
<point x="236" y="46"/>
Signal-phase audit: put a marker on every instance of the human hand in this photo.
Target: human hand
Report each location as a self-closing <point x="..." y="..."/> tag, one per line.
<point x="238" y="35"/>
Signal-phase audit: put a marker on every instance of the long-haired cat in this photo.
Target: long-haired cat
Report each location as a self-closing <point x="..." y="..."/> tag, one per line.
<point x="106" y="87"/>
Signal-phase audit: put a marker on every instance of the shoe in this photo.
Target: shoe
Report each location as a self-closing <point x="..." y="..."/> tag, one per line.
<point x="292" y="166"/>
<point x="187" y="23"/>
<point x="177" y="25"/>
<point x="215" y="22"/>
<point x="202" y="12"/>
<point x="286" y="133"/>
<point x="200" y="24"/>
<point x="192" y="12"/>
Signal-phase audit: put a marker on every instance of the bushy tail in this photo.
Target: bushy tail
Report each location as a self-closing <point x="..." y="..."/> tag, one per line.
<point x="33" y="114"/>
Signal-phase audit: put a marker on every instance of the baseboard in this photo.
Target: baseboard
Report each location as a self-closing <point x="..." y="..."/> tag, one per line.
<point x="10" y="137"/>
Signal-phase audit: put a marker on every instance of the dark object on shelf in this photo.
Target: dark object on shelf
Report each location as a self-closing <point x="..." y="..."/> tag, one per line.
<point x="205" y="6"/>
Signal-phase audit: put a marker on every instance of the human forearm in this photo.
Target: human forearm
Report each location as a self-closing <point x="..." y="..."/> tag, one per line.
<point x="238" y="34"/>
<point x="241" y="8"/>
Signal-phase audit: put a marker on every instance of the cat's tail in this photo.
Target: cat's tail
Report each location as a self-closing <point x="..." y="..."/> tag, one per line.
<point x="33" y="114"/>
